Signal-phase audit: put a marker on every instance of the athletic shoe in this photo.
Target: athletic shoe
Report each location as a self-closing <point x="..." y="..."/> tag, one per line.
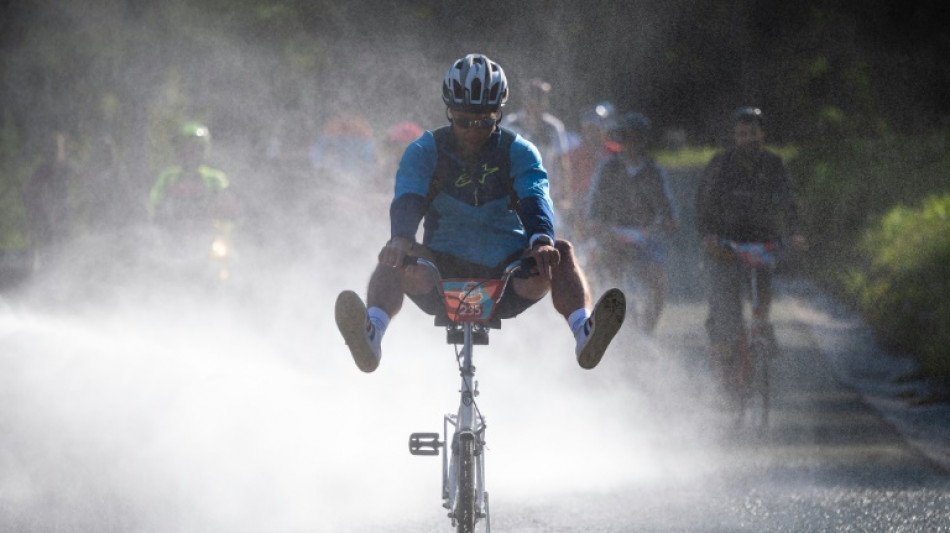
<point x="358" y="331"/>
<point x="600" y="328"/>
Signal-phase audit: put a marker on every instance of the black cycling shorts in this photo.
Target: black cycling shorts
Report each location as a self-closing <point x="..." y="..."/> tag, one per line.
<point x="510" y="306"/>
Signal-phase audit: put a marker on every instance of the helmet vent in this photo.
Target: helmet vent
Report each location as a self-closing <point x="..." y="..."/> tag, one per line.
<point x="476" y="90"/>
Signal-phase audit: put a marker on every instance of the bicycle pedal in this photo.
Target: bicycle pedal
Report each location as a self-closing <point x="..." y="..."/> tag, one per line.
<point x="424" y="444"/>
<point x="454" y="336"/>
<point x="457" y="336"/>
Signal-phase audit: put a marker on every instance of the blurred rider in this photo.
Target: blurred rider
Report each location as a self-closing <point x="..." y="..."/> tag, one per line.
<point x="190" y="195"/>
<point x="628" y="204"/>
<point x="745" y="195"/>
<point x="46" y="196"/>
<point x="483" y="196"/>
<point x="588" y="148"/>
<point x="344" y="155"/>
<point x="546" y="132"/>
<point x="398" y="137"/>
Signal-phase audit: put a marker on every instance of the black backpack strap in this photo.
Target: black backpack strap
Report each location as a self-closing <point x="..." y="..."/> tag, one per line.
<point x="442" y="137"/>
<point x="507" y="139"/>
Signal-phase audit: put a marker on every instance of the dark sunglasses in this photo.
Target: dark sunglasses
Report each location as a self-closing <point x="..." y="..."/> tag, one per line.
<point x="480" y="123"/>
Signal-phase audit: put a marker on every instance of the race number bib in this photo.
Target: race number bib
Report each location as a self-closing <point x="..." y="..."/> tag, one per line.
<point x="469" y="300"/>
<point x="756" y="254"/>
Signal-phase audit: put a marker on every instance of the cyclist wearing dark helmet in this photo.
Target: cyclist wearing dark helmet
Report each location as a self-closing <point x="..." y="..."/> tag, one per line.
<point x="745" y="195"/>
<point x="629" y="204"/>
<point x="481" y="193"/>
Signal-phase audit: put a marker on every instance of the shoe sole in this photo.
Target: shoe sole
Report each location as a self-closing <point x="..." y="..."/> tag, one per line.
<point x="608" y="317"/>
<point x="350" y="314"/>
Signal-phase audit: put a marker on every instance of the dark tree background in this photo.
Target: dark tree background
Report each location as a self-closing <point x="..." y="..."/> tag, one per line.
<point x="253" y="69"/>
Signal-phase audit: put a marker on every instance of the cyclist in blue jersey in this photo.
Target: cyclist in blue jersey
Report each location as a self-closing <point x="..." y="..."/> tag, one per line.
<point x="481" y="193"/>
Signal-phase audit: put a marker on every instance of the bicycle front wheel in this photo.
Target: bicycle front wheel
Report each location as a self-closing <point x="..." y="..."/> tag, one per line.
<point x="467" y="500"/>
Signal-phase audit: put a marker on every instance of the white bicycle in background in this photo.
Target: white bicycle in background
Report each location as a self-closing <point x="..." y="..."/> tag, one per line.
<point x="470" y="307"/>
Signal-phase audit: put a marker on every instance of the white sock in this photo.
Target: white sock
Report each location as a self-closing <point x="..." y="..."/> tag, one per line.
<point x="379" y="318"/>
<point x="576" y="321"/>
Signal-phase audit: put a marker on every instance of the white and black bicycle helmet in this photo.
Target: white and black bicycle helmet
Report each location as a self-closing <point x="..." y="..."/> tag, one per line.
<point x="475" y="84"/>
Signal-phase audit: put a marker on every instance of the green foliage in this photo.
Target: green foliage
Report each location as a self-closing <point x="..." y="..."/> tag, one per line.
<point x="902" y="286"/>
<point x="687" y="157"/>
<point x="699" y="156"/>
<point x="845" y="185"/>
<point x="889" y="262"/>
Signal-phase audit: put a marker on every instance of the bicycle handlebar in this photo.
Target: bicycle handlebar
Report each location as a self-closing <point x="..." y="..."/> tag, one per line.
<point x="753" y="253"/>
<point x="520" y="268"/>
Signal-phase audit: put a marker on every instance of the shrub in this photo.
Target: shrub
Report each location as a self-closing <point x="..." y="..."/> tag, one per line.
<point x="901" y="285"/>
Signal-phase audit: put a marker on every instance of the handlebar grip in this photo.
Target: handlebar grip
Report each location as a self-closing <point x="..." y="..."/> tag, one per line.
<point x="526" y="268"/>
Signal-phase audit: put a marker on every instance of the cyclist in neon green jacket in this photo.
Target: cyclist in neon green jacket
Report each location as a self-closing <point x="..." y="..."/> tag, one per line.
<point x="190" y="193"/>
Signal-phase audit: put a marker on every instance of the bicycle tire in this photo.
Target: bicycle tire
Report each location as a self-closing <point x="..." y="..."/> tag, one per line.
<point x="741" y="379"/>
<point x="760" y="382"/>
<point x="466" y="501"/>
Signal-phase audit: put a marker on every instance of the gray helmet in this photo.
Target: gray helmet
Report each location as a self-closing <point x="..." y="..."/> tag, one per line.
<point x="747" y="115"/>
<point x="475" y="84"/>
<point x="630" y="126"/>
<point x="601" y="115"/>
<point x="605" y="110"/>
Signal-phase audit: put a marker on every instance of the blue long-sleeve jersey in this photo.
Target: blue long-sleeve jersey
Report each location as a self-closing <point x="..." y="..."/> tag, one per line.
<point x="480" y="211"/>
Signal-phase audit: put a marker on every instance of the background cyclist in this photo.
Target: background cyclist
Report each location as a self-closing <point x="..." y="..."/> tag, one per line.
<point x="190" y="195"/>
<point x="629" y="203"/>
<point x="535" y="122"/>
<point x="588" y="146"/>
<point x="745" y="195"/>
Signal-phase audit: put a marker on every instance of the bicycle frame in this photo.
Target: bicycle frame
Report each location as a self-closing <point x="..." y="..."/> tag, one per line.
<point x="463" y="466"/>
<point x="753" y="373"/>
